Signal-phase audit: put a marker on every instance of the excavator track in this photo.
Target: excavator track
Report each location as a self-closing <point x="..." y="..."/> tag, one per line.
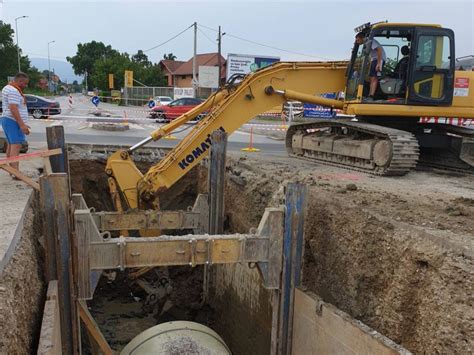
<point x="460" y="160"/>
<point x="356" y="146"/>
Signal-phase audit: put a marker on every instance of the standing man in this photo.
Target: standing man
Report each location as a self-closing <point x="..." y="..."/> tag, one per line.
<point x="15" y="115"/>
<point x="377" y="61"/>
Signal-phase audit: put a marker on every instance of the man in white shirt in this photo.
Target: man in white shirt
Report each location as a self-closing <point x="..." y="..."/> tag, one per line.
<point x="377" y="61"/>
<point x="15" y="115"/>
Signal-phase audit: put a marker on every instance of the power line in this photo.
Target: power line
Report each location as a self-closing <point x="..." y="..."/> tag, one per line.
<point x="210" y="40"/>
<point x="43" y="56"/>
<point x="266" y="45"/>
<point x="169" y="40"/>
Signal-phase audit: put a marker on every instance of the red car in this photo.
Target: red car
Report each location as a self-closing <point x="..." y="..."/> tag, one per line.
<point x="174" y="109"/>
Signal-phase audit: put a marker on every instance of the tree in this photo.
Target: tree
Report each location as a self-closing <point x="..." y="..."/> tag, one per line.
<point x="9" y="58"/>
<point x="169" y="56"/>
<point x="114" y="65"/>
<point x="87" y="54"/>
<point x="141" y="58"/>
<point x="151" y="76"/>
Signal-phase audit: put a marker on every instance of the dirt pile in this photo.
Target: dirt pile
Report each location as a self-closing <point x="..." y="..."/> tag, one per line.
<point x="396" y="254"/>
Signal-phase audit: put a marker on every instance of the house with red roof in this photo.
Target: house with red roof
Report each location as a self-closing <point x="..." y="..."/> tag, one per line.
<point x="180" y="74"/>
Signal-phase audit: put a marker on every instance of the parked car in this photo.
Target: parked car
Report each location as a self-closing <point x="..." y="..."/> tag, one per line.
<point x="40" y="107"/>
<point x="162" y="100"/>
<point x="174" y="109"/>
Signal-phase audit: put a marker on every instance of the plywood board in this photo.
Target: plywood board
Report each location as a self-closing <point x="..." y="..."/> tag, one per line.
<point x="321" y="328"/>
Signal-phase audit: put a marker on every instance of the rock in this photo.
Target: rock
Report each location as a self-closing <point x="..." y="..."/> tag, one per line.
<point x="238" y="180"/>
<point x="351" y="187"/>
<point x="116" y="127"/>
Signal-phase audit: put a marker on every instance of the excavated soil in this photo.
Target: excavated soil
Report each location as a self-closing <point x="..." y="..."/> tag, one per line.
<point x="394" y="253"/>
<point x="22" y="290"/>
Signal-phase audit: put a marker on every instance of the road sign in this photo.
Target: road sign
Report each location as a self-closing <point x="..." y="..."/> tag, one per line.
<point x="95" y="100"/>
<point x="111" y="81"/>
<point x="151" y="103"/>
<point x="128" y="78"/>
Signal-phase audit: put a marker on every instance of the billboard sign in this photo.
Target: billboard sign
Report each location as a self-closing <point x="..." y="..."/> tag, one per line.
<point x="208" y="77"/>
<point x="244" y="64"/>
<point x="318" y="111"/>
<point x="128" y="78"/>
<point x="178" y="93"/>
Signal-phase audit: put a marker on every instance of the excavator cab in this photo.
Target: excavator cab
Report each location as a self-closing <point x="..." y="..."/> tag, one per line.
<point x="419" y="66"/>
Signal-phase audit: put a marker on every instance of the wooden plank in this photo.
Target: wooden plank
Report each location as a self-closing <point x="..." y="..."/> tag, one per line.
<point x="20" y="176"/>
<point x="55" y="139"/>
<point x="93" y="328"/>
<point x="50" y="335"/>
<point x="47" y="166"/>
<point x="321" y="328"/>
<point x="29" y="156"/>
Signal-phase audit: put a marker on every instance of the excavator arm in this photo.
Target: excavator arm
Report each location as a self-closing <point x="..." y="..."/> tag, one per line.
<point x="228" y="110"/>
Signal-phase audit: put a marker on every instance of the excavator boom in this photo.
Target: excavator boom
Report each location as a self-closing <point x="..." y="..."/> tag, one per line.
<point x="228" y="110"/>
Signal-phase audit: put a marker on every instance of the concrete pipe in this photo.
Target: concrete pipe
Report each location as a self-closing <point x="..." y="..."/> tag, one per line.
<point x="178" y="337"/>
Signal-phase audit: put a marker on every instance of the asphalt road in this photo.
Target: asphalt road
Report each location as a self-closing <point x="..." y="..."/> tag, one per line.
<point x="77" y="124"/>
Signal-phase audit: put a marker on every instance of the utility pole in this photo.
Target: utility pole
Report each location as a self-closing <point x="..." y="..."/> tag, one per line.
<point x="17" y="45"/>
<point x="49" y="68"/>
<point x="194" y="60"/>
<point x="85" y="79"/>
<point x="219" y="64"/>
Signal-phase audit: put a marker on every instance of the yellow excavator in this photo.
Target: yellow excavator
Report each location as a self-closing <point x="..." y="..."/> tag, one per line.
<point x="419" y="113"/>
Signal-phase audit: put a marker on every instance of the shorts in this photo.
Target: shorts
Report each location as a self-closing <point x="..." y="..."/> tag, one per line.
<point x="12" y="131"/>
<point x="373" y="64"/>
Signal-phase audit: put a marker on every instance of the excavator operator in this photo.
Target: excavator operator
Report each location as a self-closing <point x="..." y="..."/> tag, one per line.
<point x="377" y="61"/>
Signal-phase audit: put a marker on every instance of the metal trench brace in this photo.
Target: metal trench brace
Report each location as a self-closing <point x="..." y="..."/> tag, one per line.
<point x="275" y="247"/>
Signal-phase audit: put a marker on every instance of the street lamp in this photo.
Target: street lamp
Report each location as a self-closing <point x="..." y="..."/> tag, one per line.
<point x="17" y="46"/>
<point x="49" y="67"/>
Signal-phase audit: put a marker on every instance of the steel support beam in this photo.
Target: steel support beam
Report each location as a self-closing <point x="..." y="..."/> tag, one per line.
<point x="216" y="181"/>
<point x="113" y="221"/>
<point x="122" y="253"/>
<point x="56" y="201"/>
<point x="293" y="241"/>
<point x="94" y="253"/>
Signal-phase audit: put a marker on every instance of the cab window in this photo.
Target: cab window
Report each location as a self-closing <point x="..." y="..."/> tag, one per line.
<point x="432" y="57"/>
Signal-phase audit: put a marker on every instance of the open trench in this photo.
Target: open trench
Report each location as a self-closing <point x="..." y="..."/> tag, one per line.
<point x="398" y="279"/>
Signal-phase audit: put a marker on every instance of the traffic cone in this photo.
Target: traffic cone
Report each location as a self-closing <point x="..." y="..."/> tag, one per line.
<point x="125" y="118"/>
<point x="283" y="125"/>
<point x="250" y="148"/>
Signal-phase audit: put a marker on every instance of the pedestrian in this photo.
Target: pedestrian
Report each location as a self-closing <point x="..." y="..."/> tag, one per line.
<point x="377" y="61"/>
<point x="15" y="115"/>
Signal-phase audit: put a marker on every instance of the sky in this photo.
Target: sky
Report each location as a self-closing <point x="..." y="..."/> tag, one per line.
<point x="306" y="30"/>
